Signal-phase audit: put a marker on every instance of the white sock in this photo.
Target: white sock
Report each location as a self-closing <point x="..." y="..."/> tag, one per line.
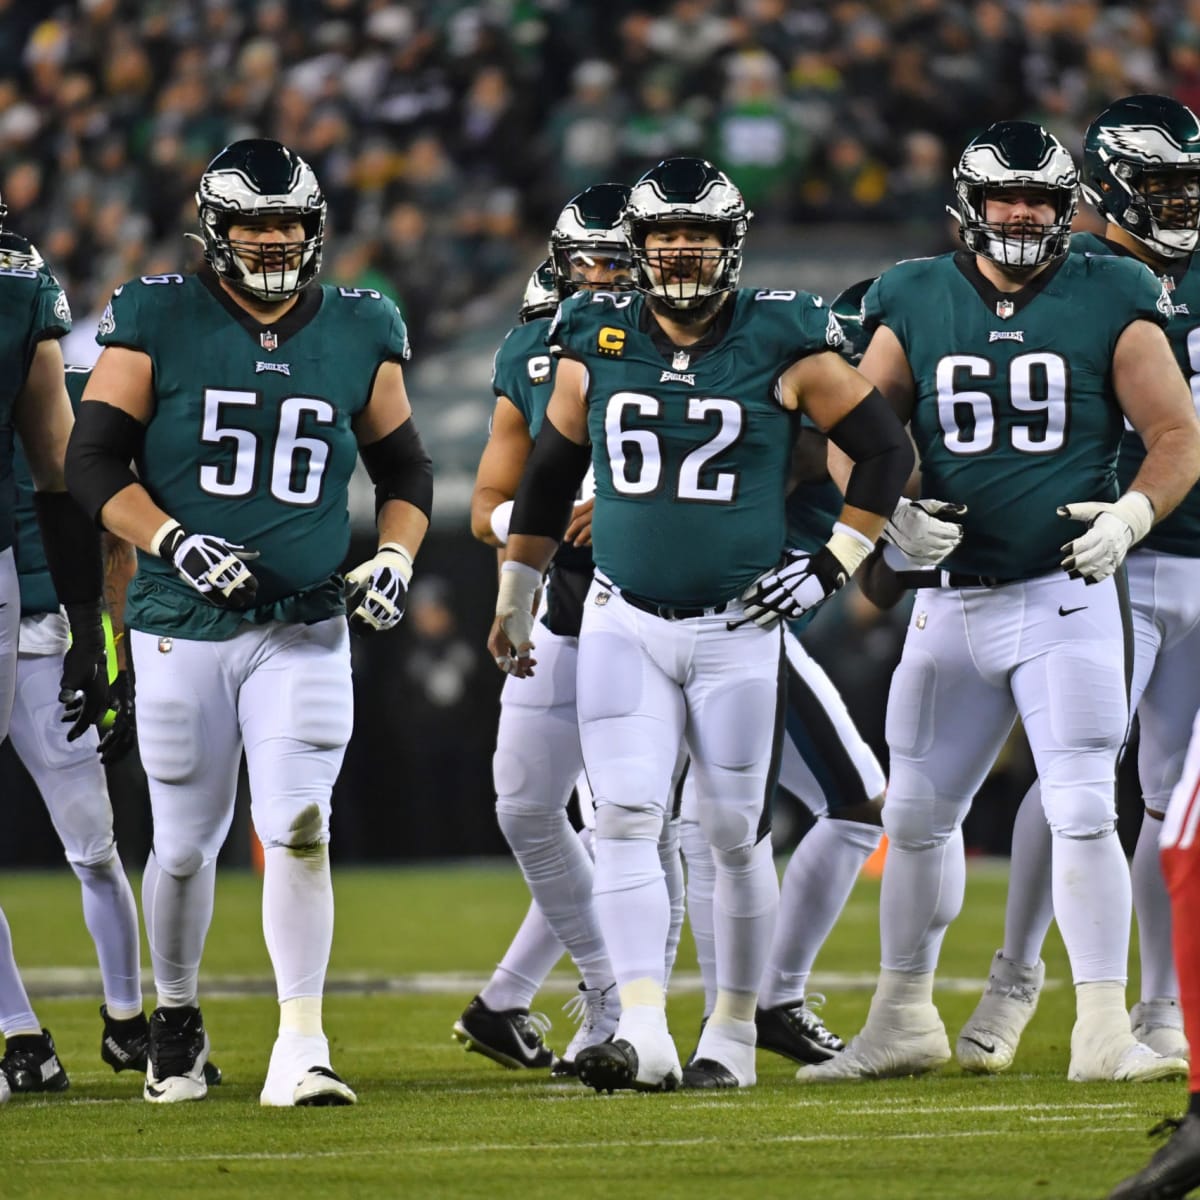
<point x="922" y="893"/>
<point x="1029" y="908"/>
<point x="1153" y="908"/>
<point x="16" y="1013"/>
<point x="1092" y="906"/>
<point x="633" y="908"/>
<point x="559" y="874"/>
<point x="816" y="885"/>
<point x="745" y="906"/>
<point x="672" y="865"/>
<point x="530" y="957"/>
<point x="701" y="880"/>
<point x="111" y="916"/>
<point x="297" y="916"/>
<point x="178" y="912"/>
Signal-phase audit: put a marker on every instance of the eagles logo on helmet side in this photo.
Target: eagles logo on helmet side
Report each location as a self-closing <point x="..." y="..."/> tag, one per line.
<point x="1011" y="155"/>
<point x="687" y="191"/>
<point x="541" y="293"/>
<point x="257" y="178"/>
<point x="1141" y="170"/>
<point x="588" y="234"/>
<point x="18" y="253"/>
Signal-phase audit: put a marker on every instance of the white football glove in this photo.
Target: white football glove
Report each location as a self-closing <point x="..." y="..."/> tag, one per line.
<point x="377" y="591"/>
<point x="214" y="567"/>
<point x="516" y="603"/>
<point x="802" y="581"/>
<point x="1112" y="529"/>
<point x="916" y="528"/>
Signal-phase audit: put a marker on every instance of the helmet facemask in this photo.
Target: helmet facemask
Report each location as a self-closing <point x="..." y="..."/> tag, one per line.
<point x="1020" y="245"/>
<point x="541" y="294"/>
<point x="1162" y="206"/>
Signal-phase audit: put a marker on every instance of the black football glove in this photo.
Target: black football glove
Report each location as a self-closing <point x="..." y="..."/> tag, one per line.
<point x="214" y="567"/>
<point x="118" y="727"/>
<point x="83" y="689"/>
<point x="800" y="582"/>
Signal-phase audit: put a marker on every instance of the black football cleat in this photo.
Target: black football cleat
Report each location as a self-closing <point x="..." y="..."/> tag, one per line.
<point x="796" y="1032"/>
<point x="613" y="1066"/>
<point x="30" y="1064"/>
<point x="1175" y="1168"/>
<point x="513" y="1038"/>
<point x="708" y="1073"/>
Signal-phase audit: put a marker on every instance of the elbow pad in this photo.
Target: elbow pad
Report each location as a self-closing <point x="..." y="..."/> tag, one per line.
<point x="103" y="443"/>
<point x="400" y="468"/>
<point x="872" y="436"/>
<point x="546" y="497"/>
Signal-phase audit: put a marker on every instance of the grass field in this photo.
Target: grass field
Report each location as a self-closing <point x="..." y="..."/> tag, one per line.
<point x="410" y="949"/>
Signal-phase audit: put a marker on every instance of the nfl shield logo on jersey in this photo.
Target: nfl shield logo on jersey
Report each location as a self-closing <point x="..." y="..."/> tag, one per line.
<point x="681" y="360"/>
<point x="267" y="339"/>
<point x="1005" y="309"/>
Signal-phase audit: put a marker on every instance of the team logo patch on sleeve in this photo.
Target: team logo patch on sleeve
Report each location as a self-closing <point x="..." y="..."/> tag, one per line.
<point x="107" y="322"/>
<point x="62" y="310"/>
<point x="611" y="342"/>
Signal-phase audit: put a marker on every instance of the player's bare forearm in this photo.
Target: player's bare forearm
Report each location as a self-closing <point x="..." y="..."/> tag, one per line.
<point x="120" y="566"/>
<point x="1171" y="467"/>
<point x="132" y="515"/>
<point x="402" y="523"/>
<point x="532" y="550"/>
<point x="42" y="416"/>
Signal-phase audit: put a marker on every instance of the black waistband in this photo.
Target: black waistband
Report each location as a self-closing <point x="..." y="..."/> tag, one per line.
<point x="934" y="578"/>
<point x="669" y="612"/>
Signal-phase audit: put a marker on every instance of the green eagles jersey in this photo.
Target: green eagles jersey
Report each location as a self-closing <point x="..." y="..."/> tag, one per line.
<point x="33" y="573"/>
<point x="251" y="438"/>
<point x="32" y="308"/>
<point x="689" y="443"/>
<point x="523" y="370"/>
<point x="1014" y="410"/>
<point x="1179" y="532"/>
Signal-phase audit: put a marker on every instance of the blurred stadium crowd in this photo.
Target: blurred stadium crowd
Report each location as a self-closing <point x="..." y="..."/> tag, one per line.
<point x="446" y="134"/>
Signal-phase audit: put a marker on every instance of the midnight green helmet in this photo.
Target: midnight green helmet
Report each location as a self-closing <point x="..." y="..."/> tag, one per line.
<point x="1141" y="169"/>
<point x="687" y="191"/>
<point x="1015" y="155"/>
<point x="848" y="308"/>
<point x="541" y="293"/>
<point x="588" y="233"/>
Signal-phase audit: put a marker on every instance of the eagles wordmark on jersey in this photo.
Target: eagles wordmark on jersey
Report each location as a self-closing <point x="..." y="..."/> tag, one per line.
<point x="690" y="445"/>
<point x="258" y="443"/>
<point x="1014" y="410"/>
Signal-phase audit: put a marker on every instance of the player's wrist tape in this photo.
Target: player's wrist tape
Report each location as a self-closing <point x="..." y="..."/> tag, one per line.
<point x="849" y="547"/>
<point x="519" y="583"/>
<point x="1137" y="511"/>
<point x="403" y="560"/>
<point x="166" y="539"/>
<point x="500" y="519"/>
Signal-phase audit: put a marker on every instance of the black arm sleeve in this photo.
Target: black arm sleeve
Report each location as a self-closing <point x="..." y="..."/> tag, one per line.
<point x="72" y="545"/>
<point x="546" y="497"/>
<point x="871" y="434"/>
<point x="400" y="468"/>
<point x="103" y="443"/>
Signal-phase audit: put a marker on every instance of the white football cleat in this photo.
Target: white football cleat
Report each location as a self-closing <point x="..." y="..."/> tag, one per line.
<point x="299" y="1075"/>
<point x="988" y="1042"/>
<point x="597" y="1010"/>
<point x="5" y="1090"/>
<point x="1100" y="1051"/>
<point x="910" y="1040"/>
<point x="1158" y="1024"/>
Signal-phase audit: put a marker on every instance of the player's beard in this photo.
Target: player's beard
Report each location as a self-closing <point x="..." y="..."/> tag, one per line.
<point x="698" y="314"/>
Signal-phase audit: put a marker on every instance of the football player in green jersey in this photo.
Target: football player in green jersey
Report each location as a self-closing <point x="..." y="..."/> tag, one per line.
<point x="245" y="394"/>
<point x="538" y="760"/>
<point x="34" y="403"/>
<point x="1141" y="170"/>
<point x="1014" y="363"/>
<point x="689" y="391"/>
